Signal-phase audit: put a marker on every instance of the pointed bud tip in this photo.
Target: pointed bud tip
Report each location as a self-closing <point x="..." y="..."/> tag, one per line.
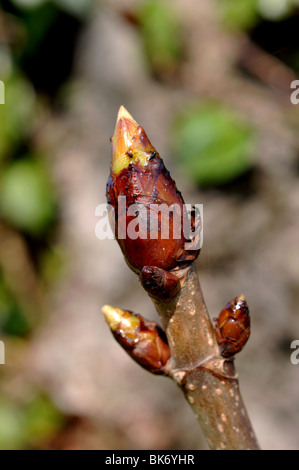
<point x="241" y="298"/>
<point x="112" y="315"/>
<point x="123" y="113"/>
<point x="125" y="129"/>
<point x="130" y="144"/>
<point x="241" y="302"/>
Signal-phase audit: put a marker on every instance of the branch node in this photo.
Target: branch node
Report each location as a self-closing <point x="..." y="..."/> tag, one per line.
<point x="220" y="367"/>
<point x="179" y="376"/>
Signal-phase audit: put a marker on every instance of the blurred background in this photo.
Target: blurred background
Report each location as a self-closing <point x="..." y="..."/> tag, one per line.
<point x="210" y="82"/>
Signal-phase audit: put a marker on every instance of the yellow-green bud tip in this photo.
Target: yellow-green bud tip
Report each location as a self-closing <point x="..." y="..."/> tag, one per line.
<point x="123" y="113"/>
<point x="113" y="316"/>
<point x="130" y="143"/>
<point x="121" y="319"/>
<point x="241" y="298"/>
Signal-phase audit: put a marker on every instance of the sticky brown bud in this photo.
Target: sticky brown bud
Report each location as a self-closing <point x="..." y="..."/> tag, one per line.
<point x="143" y="340"/>
<point x="233" y="327"/>
<point x="138" y="174"/>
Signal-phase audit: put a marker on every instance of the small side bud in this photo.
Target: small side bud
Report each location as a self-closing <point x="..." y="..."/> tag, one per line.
<point x="233" y="327"/>
<point x="143" y="340"/>
<point x="158" y="282"/>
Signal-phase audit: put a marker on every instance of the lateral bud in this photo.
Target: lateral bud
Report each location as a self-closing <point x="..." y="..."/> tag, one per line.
<point x="142" y="339"/>
<point x="233" y="327"/>
<point x="158" y="282"/>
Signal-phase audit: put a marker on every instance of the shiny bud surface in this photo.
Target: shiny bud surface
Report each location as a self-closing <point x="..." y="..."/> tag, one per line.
<point x="143" y="340"/>
<point x="138" y="174"/>
<point x="233" y="327"/>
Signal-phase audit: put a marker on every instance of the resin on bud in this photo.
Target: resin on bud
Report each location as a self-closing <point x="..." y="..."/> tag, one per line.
<point x="233" y="327"/>
<point x="143" y="340"/>
<point x="138" y="174"/>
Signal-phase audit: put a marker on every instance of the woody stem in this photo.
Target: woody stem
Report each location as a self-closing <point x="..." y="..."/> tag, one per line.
<point x="208" y="381"/>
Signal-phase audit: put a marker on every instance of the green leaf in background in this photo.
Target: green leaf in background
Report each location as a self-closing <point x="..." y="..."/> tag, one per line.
<point x="160" y="33"/>
<point x="12" y="319"/>
<point x="28" y="425"/>
<point x="239" y="15"/>
<point x="11" y="433"/>
<point x="76" y="7"/>
<point x="246" y="13"/>
<point x="79" y="8"/>
<point x="26" y="196"/>
<point x="212" y="144"/>
<point x="17" y="114"/>
<point x="275" y="9"/>
<point x="41" y="420"/>
<point x="28" y="3"/>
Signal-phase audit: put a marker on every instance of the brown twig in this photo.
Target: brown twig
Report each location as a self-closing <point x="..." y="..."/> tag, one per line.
<point x="208" y="381"/>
